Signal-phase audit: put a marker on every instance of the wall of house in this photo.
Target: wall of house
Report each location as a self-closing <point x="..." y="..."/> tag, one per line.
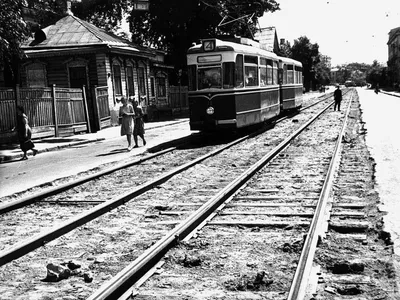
<point x="57" y="72"/>
<point x="57" y="69"/>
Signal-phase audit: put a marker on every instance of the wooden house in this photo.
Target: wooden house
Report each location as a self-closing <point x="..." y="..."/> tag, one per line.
<point x="268" y="39"/>
<point x="73" y="53"/>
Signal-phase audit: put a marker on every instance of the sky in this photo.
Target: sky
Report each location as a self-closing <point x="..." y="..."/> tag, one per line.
<point x="345" y="30"/>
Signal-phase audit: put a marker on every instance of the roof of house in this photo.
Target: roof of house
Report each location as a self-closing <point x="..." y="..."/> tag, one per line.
<point x="72" y="32"/>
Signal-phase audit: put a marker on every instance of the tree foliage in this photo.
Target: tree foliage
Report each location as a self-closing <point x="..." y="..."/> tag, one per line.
<point x="322" y="73"/>
<point x="106" y="14"/>
<point x="308" y="54"/>
<point x="285" y="49"/>
<point x="377" y="74"/>
<point x="13" y="31"/>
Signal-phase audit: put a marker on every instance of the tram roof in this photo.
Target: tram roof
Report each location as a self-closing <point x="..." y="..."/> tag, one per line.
<point x="252" y="47"/>
<point x="290" y="61"/>
<point x="221" y="45"/>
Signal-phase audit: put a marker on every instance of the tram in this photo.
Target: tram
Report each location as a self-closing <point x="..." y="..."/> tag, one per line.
<point x="235" y="83"/>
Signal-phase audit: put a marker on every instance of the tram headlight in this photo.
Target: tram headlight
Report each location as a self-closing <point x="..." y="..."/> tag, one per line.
<point x="210" y="110"/>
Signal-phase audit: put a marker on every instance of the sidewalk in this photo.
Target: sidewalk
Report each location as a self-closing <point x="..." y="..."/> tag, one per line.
<point x="391" y="93"/>
<point x="12" y="151"/>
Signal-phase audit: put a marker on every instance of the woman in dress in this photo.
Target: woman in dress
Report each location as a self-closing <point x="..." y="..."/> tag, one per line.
<point x="24" y="133"/>
<point x="139" y="124"/>
<point x="126" y="112"/>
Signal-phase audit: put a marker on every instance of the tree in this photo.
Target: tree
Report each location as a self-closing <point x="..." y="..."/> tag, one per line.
<point x="105" y="14"/>
<point x="322" y="73"/>
<point x="285" y="49"/>
<point x="13" y="31"/>
<point x="308" y="55"/>
<point x="377" y="74"/>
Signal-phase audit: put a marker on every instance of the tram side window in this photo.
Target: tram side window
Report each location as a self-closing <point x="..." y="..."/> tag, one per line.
<point x="239" y="71"/>
<point x="299" y="75"/>
<point x="284" y="79"/>
<point x="290" y="75"/>
<point x="251" y="70"/>
<point x="269" y="72"/>
<point x="275" y="71"/>
<point x="229" y="72"/>
<point x="263" y="71"/>
<point x="192" y="78"/>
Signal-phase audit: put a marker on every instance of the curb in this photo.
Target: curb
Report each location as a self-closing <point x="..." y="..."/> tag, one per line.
<point x="387" y="93"/>
<point x="9" y="157"/>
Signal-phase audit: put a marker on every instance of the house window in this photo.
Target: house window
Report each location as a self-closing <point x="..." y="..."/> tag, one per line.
<point x="141" y="81"/>
<point x="36" y="75"/>
<point x="161" y="87"/>
<point x="131" y="84"/>
<point x="117" y="80"/>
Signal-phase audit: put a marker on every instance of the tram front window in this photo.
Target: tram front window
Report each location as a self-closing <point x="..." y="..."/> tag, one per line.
<point x="209" y="78"/>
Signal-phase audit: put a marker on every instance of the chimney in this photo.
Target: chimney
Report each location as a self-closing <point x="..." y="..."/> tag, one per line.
<point x="68" y="11"/>
<point x="282" y="41"/>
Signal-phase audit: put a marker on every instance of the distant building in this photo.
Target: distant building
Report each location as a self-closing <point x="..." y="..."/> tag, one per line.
<point x="394" y="55"/>
<point x="268" y="39"/>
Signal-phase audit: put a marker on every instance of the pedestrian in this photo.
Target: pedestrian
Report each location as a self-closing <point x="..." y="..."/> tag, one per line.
<point x="24" y="133"/>
<point x="138" y="129"/>
<point x="337" y="95"/>
<point x="126" y="112"/>
<point x="377" y="88"/>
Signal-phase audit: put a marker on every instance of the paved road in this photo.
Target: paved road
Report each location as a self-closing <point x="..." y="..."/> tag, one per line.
<point x="17" y="176"/>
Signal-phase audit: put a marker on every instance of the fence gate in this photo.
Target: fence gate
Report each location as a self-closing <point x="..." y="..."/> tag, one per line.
<point x="103" y="109"/>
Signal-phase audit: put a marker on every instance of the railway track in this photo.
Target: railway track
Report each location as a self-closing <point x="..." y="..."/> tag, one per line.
<point x="146" y="225"/>
<point x="68" y="200"/>
<point x="14" y="202"/>
<point x="238" y="227"/>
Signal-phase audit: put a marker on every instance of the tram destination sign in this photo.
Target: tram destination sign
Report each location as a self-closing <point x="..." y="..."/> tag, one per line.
<point x="141" y="5"/>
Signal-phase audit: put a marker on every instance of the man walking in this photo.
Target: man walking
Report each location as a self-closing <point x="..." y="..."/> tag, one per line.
<point x="337" y="95"/>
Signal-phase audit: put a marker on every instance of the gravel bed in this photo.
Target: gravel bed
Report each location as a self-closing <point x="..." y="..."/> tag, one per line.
<point x="357" y="265"/>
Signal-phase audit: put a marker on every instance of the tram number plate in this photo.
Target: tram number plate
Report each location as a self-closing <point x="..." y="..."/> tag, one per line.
<point x="209" y="45"/>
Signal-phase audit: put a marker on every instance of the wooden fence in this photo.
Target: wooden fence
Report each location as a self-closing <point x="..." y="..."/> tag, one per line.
<point x="50" y="110"/>
<point x="103" y="108"/>
<point x="178" y="98"/>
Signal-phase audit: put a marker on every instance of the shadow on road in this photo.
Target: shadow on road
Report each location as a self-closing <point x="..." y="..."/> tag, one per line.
<point x="115" y="151"/>
<point x="19" y="159"/>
